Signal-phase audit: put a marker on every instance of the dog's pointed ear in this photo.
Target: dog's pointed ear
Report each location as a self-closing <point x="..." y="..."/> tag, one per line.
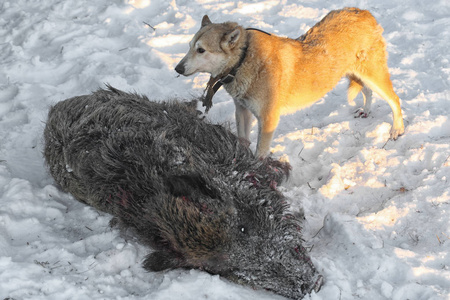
<point x="230" y="39"/>
<point x="206" y="21"/>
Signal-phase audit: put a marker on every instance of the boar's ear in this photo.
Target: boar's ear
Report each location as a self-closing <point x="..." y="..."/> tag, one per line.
<point x="230" y="39"/>
<point x="206" y="21"/>
<point x="160" y="261"/>
<point x="186" y="185"/>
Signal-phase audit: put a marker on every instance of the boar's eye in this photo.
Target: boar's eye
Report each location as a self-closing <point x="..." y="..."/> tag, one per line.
<point x="243" y="229"/>
<point x="201" y="50"/>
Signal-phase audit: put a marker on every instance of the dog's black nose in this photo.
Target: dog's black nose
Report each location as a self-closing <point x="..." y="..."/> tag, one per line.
<point x="180" y="69"/>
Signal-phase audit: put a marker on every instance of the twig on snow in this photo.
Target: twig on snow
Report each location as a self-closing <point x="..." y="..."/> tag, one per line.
<point x="154" y="29"/>
<point x="318" y="232"/>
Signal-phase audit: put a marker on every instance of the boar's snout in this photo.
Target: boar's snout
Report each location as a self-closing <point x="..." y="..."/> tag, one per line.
<point x="290" y="274"/>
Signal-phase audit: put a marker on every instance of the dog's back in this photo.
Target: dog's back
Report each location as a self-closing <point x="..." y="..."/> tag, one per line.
<point x="303" y="70"/>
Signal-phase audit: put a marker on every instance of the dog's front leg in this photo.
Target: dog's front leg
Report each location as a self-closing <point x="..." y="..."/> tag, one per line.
<point x="243" y="121"/>
<point x="267" y="124"/>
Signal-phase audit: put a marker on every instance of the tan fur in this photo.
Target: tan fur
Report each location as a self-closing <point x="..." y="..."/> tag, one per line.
<point x="281" y="75"/>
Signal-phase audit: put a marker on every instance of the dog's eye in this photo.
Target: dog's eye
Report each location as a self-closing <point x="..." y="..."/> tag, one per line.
<point x="200" y="50"/>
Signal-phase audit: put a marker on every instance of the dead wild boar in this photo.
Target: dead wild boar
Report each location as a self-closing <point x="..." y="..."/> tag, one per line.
<point x="189" y="188"/>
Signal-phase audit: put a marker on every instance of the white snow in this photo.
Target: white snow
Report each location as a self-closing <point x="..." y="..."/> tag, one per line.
<point x="377" y="211"/>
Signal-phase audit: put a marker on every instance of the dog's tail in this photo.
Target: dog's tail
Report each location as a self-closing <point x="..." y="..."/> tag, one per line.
<point x="354" y="87"/>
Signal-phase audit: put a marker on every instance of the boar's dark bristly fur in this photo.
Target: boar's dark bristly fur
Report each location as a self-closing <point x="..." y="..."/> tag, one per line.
<point x="189" y="188"/>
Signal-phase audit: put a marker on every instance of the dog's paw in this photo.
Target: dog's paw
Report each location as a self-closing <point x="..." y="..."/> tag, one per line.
<point x="396" y="132"/>
<point x="360" y="113"/>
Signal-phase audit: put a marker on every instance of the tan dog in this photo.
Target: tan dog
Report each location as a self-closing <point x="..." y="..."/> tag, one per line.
<point x="269" y="75"/>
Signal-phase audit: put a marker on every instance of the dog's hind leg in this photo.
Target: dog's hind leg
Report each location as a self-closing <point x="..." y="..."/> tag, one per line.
<point x="355" y="86"/>
<point x="377" y="78"/>
<point x="367" y="95"/>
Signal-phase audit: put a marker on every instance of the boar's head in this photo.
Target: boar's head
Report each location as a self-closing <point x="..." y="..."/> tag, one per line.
<point x="241" y="233"/>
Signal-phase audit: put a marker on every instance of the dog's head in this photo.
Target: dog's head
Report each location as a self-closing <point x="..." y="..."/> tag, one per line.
<point x="215" y="48"/>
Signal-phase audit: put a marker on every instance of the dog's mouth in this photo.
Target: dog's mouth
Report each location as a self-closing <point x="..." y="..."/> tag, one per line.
<point x="184" y="72"/>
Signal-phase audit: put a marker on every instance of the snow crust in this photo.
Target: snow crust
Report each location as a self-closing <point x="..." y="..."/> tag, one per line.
<point x="377" y="211"/>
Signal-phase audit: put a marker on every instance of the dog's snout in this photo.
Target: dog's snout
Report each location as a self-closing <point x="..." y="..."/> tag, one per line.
<point x="180" y="68"/>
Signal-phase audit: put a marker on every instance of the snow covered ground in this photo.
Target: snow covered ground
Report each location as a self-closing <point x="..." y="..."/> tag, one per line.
<point x="377" y="212"/>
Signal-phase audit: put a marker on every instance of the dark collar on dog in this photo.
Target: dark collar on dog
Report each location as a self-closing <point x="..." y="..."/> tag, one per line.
<point x="215" y="83"/>
<point x="230" y="76"/>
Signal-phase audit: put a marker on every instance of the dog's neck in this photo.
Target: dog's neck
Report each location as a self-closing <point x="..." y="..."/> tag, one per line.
<point x="228" y="75"/>
<point x="215" y="82"/>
